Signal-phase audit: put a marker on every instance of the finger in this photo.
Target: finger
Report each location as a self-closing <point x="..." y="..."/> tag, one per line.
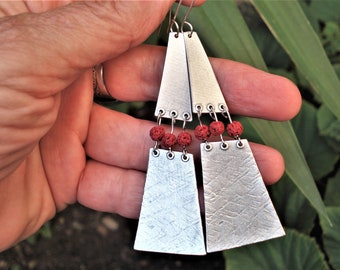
<point x="17" y="7"/>
<point x="248" y="91"/>
<point x="123" y="141"/>
<point x="92" y="33"/>
<point x="111" y="189"/>
<point x="62" y="48"/>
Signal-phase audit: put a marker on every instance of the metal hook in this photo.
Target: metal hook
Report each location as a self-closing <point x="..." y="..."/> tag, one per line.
<point x="186" y="17"/>
<point x="172" y="21"/>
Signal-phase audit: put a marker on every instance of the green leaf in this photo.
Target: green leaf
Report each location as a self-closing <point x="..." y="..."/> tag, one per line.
<point x="223" y="28"/>
<point x="337" y="68"/>
<point x="332" y="193"/>
<point x="329" y="127"/>
<point x="326" y="10"/>
<point x="282" y="137"/>
<point x="289" y="25"/>
<point x="292" y="207"/>
<point x="294" y="251"/>
<point x="331" y="236"/>
<point x="271" y="50"/>
<point x="320" y="157"/>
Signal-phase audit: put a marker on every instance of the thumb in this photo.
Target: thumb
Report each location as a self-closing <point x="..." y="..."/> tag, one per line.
<point x="60" y="43"/>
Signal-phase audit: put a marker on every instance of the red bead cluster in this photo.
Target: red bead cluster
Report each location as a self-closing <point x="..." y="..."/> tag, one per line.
<point x="168" y="140"/>
<point x="202" y="132"/>
<point x="216" y="128"/>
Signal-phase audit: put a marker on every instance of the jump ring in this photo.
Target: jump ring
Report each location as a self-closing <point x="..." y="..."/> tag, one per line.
<point x="99" y="86"/>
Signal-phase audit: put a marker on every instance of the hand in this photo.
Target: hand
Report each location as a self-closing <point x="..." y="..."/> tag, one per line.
<point x="57" y="147"/>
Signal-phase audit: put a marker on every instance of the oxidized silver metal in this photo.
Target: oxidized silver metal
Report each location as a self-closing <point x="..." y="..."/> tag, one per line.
<point x="174" y="93"/>
<point x="205" y="89"/>
<point x="170" y="220"/>
<point x="237" y="205"/>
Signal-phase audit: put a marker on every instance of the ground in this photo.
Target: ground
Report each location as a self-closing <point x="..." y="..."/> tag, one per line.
<point x="85" y="239"/>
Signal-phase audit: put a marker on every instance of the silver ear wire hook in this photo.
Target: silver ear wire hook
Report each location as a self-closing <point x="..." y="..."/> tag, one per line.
<point x="172" y="21"/>
<point x="185" y="22"/>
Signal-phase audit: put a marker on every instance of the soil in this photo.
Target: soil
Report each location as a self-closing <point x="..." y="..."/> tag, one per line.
<point x="85" y="239"/>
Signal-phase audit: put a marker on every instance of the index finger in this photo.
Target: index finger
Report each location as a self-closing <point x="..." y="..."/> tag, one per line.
<point x="136" y="76"/>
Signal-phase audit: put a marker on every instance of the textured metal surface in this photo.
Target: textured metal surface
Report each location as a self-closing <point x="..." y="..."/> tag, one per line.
<point x="237" y="205"/>
<point x="174" y="93"/>
<point x="170" y="220"/>
<point x="204" y="86"/>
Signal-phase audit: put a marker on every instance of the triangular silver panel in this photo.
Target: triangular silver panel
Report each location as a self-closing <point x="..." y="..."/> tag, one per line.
<point x="203" y="83"/>
<point x="174" y="93"/>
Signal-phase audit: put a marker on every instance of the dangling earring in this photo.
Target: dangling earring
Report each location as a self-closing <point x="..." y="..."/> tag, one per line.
<point x="238" y="209"/>
<point x="170" y="219"/>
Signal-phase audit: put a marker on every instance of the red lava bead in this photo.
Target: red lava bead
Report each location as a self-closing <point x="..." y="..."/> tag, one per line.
<point x="169" y="140"/>
<point x="202" y="132"/>
<point x="184" y="139"/>
<point x="234" y="129"/>
<point x="216" y="128"/>
<point x="157" y="133"/>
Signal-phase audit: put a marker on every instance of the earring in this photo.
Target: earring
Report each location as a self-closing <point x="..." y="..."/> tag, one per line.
<point x="238" y="209"/>
<point x="170" y="220"/>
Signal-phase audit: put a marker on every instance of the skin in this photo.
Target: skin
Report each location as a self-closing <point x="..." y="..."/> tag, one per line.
<point x="57" y="146"/>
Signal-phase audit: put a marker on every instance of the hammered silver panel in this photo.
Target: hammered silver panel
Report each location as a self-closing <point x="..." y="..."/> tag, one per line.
<point x="174" y="93"/>
<point x="204" y="86"/>
<point x="237" y="205"/>
<point x="170" y="219"/>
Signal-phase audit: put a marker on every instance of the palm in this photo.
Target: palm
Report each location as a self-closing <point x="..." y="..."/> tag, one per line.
<point x="58" y="147"/>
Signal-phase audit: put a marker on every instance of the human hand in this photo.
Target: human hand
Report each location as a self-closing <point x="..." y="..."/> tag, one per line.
<point x="57" y="147"/>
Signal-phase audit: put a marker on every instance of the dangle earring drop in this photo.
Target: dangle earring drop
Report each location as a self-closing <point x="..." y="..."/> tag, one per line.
<point x="170" y="219"/>
<point x="238" y="209"/>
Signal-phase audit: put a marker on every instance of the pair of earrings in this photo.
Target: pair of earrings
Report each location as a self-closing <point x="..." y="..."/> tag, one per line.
<point x="238" y="209"/>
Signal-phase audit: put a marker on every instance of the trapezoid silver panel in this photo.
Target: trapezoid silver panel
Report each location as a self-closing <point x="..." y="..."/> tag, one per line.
<point x="238" y="208"/>
<point x="170" y="220"/>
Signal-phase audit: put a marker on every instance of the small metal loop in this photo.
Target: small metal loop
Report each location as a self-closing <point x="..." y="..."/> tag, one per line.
<point x="156" y="147"/>
<point x="186" y="116"/>
<point x="184" y="122"/>
<point x="199" y="108"/>
<point x="185" y="157"/>
<point x="156" y="152"/>
<point x="173" y="115"/>
<point x="161" y="112"/>
<point x="159" y="116"/>
<point x="224" y="146"/>
<point x="212" y="112"/>
<point x="208" y="147"/>
<point x="173" y="19"/>
<point x="210" y="107"/>
<point x="173" y="22"/>
<point x="239" y="144"/>
<point x="170" y="155"/>
<point x="186" y="17"/>
<point x="226" y="115"/>
<point x="191" y="28"/>
<point x="222" y="107"/>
